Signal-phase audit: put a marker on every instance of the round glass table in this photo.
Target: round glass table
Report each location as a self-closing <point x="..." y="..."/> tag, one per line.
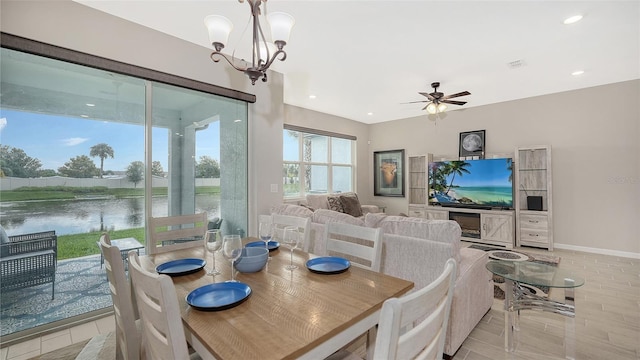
<point x="519" y="276"/>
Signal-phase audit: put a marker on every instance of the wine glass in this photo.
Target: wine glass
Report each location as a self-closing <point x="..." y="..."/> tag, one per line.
<point x="266" y="233"/>
<point x="212" y="243"/>
<point x="231" y="250"/>
<point x="291" y="239"/>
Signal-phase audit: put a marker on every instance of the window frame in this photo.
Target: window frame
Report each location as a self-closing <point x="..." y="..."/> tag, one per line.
<point x="303" y="165"/>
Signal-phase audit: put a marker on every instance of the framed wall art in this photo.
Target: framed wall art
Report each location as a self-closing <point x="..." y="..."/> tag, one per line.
<point x="388" y="173"/>
<point x="472" y="145"/>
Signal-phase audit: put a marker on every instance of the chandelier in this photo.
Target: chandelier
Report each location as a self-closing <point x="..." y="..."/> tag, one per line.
<point x="263" y="52"/>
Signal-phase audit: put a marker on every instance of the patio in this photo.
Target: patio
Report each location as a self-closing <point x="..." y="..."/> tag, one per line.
<point x="81" y="286"/>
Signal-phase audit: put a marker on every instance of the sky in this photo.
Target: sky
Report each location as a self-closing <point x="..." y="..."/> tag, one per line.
<point x="54" y="140"/>
<point x="485" y="172"/>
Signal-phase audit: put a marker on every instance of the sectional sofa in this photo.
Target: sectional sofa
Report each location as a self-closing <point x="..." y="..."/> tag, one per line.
<point x="416" y="249"/>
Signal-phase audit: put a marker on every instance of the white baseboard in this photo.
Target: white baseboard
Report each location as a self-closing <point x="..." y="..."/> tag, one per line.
<point x="625" y="254"/>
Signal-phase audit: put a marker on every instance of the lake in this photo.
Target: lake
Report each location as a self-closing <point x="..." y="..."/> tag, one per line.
<point x="81" y="216"/>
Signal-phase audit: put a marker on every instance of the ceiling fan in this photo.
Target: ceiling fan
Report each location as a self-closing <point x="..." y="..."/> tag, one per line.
<point x="437" y="100"/>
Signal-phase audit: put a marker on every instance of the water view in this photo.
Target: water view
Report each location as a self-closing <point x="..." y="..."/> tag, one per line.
<point x="81" y="216"/>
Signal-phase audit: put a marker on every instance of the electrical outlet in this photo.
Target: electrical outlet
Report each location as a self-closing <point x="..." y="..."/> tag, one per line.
<point x="274" y="188"/>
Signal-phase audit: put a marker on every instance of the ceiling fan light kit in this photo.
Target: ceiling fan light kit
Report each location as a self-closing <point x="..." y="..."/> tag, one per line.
<point x="263" y="52"/>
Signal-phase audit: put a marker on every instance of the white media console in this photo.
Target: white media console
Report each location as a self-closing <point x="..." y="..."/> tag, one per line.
<point x="491" y="227"/>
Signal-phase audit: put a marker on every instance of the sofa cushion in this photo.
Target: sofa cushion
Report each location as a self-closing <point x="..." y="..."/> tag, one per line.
<point x="373" y="219"/>
<point x="335" y="203"/>
<point x="436" y="230"/>
<point x="292" y="210"/>
<point x="351" y="205"/>
<point x="324" y="216"/>
<point x="317" y="201"/>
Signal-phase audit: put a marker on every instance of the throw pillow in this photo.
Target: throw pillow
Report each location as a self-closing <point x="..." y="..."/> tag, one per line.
<point x="335" y="204"/>
<point x="351" y="205"/>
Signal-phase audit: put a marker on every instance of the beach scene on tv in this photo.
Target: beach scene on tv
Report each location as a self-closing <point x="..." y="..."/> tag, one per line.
<point x="484" y="182"/>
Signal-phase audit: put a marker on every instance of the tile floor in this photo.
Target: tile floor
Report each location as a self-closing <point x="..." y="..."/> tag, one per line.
<point x="607" y="322"/>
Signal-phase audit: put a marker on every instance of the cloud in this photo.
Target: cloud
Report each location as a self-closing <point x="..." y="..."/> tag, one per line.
<point x="73" y="141"/>
<point x="3" y="123"/>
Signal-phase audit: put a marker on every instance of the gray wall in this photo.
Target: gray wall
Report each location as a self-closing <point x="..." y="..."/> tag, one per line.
<point x="594" y="132"/>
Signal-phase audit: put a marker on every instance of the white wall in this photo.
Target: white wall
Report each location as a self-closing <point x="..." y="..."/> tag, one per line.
<point x="595" y="139"/>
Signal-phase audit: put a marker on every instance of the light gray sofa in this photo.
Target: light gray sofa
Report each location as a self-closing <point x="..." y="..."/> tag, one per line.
<point x="416" y="249"/>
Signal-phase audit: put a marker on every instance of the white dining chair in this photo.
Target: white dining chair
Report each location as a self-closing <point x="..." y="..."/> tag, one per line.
<point x="414" y="326"/>
<point x="128" y="337"/>
<point x="176" y="232"/>
<point x="303" y="224"/>
<point x="157" y="301"/>
<point x="361" y="243"/>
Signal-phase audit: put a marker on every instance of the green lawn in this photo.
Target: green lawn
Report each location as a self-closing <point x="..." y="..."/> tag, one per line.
<point x="77" y="245"/>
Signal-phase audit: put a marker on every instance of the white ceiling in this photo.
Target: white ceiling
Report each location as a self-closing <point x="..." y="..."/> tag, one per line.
<point x="361" y="57"/>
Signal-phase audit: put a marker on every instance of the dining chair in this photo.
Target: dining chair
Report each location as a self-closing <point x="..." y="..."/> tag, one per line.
<point x="176" y="232"/>
<point x="157" y="300"/>
<point x="414" y="326"/>
<point x="128" y="339"/>
<point x="304" y="224"/>
<point x="357" y="242"/>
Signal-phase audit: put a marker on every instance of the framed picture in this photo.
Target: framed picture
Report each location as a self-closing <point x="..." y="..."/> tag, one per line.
<point x="472" y="145"/>
<point x="388" y="173"/>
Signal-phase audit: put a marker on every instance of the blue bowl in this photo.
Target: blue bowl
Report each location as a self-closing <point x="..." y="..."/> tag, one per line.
<point x="252" y="259"/>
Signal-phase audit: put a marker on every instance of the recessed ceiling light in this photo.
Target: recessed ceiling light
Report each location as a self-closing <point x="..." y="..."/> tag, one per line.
<point x="312" y="96"/>
<point x="84" y="116"/>
<point x="572" y="19"/>
<point x="369" y="113"/>
<point x="91" y="105"/>
<point x="237" y="120"/>
<point x="577" y="72"/>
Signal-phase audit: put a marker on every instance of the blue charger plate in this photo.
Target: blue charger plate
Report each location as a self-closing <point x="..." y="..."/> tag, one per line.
<point x="181" y="267"/>
<point x="328" y="265"/>
<point x="218" y="296"/>
<point x="272" y="244"/>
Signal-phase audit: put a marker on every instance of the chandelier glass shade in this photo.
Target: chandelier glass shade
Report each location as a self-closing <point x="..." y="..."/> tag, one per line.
<point x="264" y="53"/>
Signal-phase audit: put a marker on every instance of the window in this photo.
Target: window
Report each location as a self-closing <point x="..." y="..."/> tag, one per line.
<point x="316" y="162"/>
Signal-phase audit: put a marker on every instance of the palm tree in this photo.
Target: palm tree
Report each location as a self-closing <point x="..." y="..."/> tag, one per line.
<point x="102" y="151"/>
<point x="456" y="167"/>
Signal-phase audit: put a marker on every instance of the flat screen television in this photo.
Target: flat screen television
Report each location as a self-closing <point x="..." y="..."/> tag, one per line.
<point x="483" y="183"/>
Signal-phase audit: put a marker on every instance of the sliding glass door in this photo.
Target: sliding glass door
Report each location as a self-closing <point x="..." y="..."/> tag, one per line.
<point x="85" y="151"/>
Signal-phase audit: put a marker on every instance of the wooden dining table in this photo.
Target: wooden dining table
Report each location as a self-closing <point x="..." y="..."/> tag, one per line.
<point x="289" y="314"/>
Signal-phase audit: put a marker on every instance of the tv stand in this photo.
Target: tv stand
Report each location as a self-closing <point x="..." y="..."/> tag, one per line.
<point x="491" y="227"/>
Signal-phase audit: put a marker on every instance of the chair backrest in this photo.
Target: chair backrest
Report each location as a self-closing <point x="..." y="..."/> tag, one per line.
<point x="128" y="337"/>
<point x="363" y="243"/>
<point x="424" y="314"/>
<point x="303" y="224"/>
<point x="162" y="327"/>
<point x="176" y="232"/>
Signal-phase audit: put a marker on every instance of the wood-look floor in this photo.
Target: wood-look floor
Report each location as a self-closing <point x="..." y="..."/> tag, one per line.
<point x="607" y="322"/>
<point x="607" y="319"/>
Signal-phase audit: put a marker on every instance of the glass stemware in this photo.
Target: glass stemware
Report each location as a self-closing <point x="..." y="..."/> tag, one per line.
<point x="291" y="239"/>
<point x="213" y="243"/>
<point x="266" y="233"/>
<point x="231" y="250"/>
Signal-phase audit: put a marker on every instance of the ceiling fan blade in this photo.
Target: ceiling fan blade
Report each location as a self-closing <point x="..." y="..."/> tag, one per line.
<point x="414" y="102"/>
<point x="429" y="96"/>
<point x="455" y="95"/>
<point x="454" y="102"/>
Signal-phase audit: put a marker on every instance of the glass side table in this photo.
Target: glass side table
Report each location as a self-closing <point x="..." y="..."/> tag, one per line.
<point x="518" y="274"/>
